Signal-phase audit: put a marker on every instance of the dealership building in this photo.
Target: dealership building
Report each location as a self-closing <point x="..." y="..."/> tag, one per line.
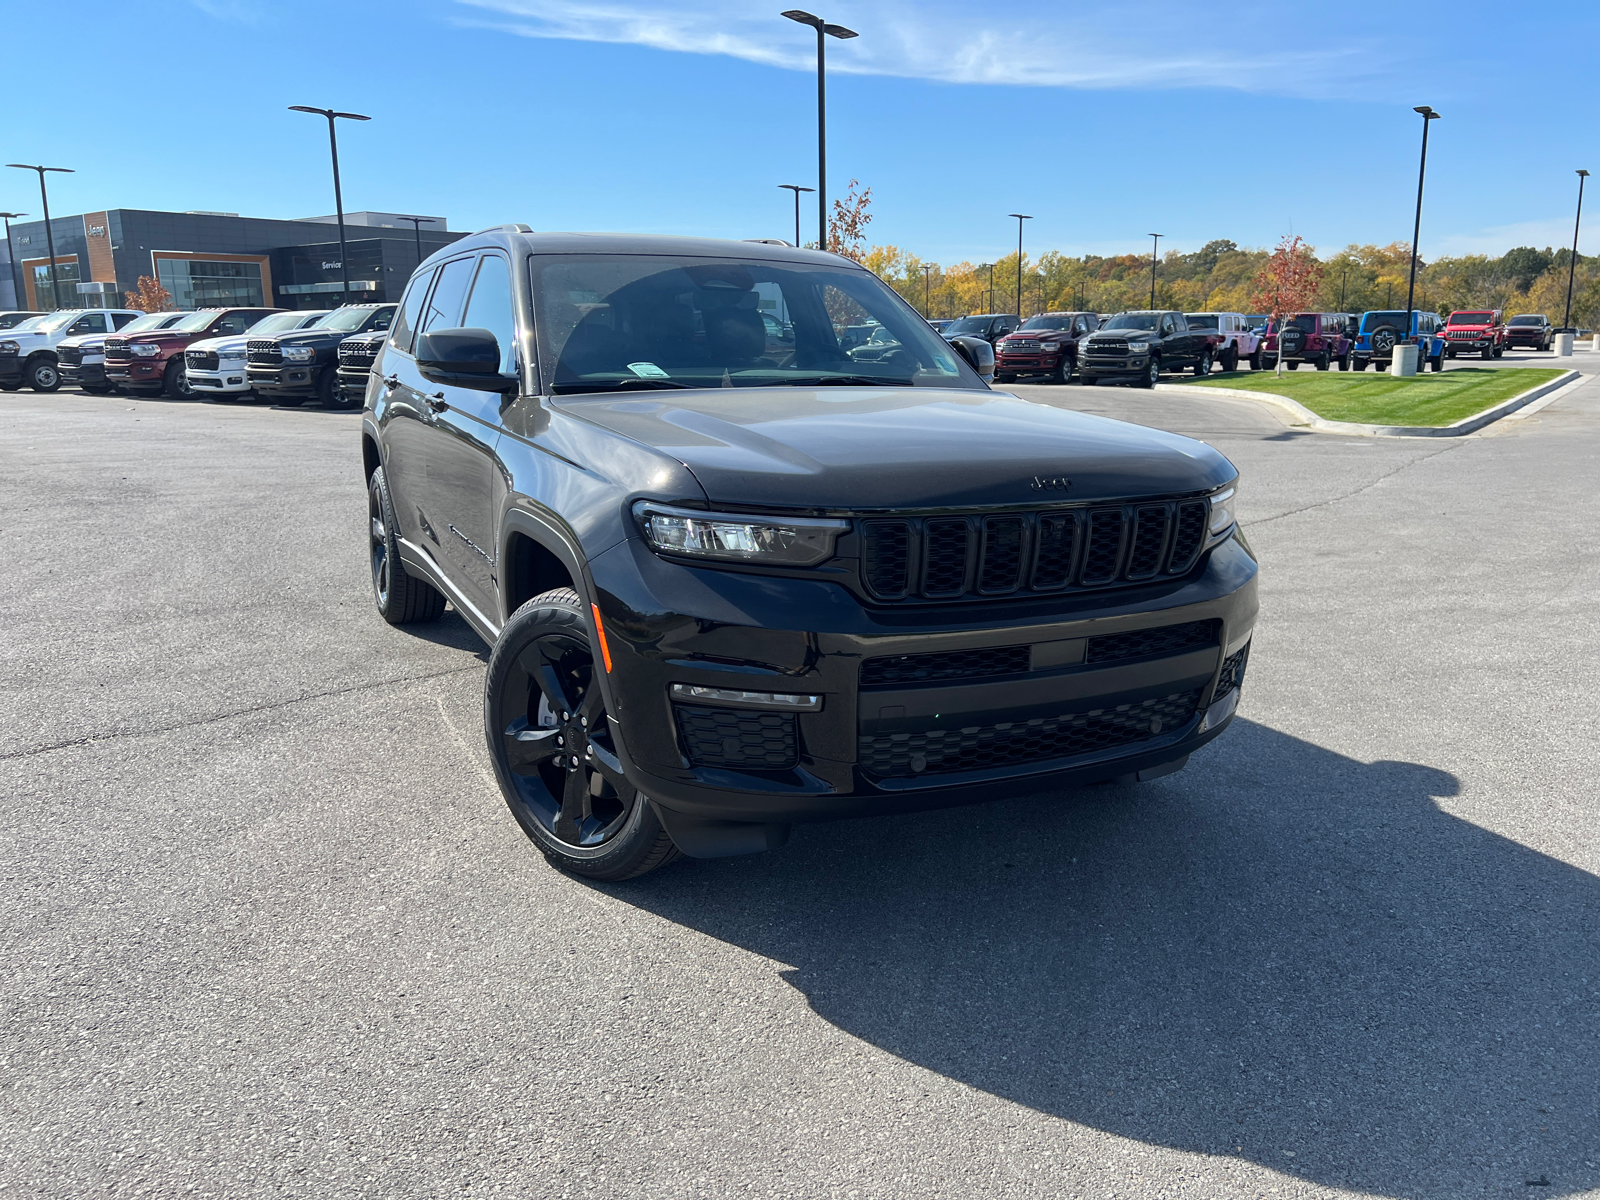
<point x="211" y="260"/>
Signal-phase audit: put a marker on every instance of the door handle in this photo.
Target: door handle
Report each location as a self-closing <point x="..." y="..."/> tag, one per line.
<point x="437" y="402"/>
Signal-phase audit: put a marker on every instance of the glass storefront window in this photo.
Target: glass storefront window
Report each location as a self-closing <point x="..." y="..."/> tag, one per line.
<point x="66" y="275"/>
<point x="200" y="283"/>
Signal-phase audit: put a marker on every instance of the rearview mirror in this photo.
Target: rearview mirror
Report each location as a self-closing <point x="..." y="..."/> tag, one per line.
<point x="465" y="358"/>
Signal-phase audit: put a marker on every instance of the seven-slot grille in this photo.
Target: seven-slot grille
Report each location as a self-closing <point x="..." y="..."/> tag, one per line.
<point x="200" y="360"/>
<point x="358" y="355"/>
<point x="957" y="557"/>
<point x="264" y="352"/>
<point x="69" y="356"/>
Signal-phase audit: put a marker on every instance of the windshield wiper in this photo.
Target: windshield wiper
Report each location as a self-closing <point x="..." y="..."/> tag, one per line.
<point x="617" y="385"/>
<point x="845" y="381"/>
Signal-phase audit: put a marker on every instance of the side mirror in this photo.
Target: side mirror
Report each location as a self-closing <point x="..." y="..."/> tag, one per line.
<point x="464" y="358"/>
<point x="978" y="353"/>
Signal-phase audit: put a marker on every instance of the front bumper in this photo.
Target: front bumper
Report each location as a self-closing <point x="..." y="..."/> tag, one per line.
<point x="91" y="373"/>
<point x="1115" y="364"/>
<point x="230" y="380"/>
<point x="290" y="379"/>
<point x="11" y="370"/>
<point x="353" y="383"/>
<point x="881" y="747"/>
<point x="140" y="373"/>
<point x="1028" y="364"/>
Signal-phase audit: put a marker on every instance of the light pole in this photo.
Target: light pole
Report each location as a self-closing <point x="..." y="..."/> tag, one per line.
<point x="49" y="237"/>
<point x="988" y="303"/>
<point x="11" y="255"/>
<point x="1020" y="219"/>
<point x="824" y="30"/>
<point x="796" y="189"/>
<point x="1343" y="275"/>
<point x="1155" y="241"/>
<point x="1428" y="117"/>
<point x="1572" y="267"/>
<point x="338" y="198"/>
<point x="416" y="229"/>
<point x="927" y="303"/>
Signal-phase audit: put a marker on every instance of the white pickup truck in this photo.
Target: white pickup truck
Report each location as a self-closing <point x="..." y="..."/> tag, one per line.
<point x="28" y="352"/>
<point x="1239" y="344"/>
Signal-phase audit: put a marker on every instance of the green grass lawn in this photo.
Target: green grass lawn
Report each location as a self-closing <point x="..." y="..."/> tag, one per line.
<point x="1381" y="399"/>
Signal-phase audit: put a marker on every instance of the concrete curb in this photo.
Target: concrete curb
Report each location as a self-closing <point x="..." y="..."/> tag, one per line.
<point x="1304" y="416"/>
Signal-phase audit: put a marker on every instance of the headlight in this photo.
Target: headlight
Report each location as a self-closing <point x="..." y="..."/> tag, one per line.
<point x="731" y="537"/>
<point x="1223" y="516"/>
<point x="1049" y="347"/>
<point x="145" y="349"/>
<point x="299" y="353"/>
<point x="1138" y="347"/>
<point x="10" y="348"/>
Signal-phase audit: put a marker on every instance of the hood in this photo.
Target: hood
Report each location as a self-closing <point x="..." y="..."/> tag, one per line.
<point x="158" y="337"/>
<point x="233" y="343"/>
<point x="307" y="337"/>
<point x="1474" y="326"/>
<point x="1129" y="335"/>
<point x="874" y="448"/>
<point x="84" y="341"/>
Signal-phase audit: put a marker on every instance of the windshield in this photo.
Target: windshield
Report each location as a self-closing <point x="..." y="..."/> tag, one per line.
<point x="151" y="321"/>
<point x="1305" y="321"/>
<point x="1203" y="320"/>
<point x="27" y="326"/>
<point x="623" y="322"/>
<point x="1048" y="322"/>
<point x="1514" y="321"/>
<point x="344" y="320"/>
<point x="194" y="322"/>
<point x="1372" y="320"/>
<point x="1481" y="318"/>
<point x="975" y="326"/>
<point x="1132" y="321"/>
<point x="277" y="323"/>
<point x="55" y="320"/>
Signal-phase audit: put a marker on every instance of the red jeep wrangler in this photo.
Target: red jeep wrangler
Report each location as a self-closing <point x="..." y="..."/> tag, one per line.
<point x="1317" y="338"/>
<point x="1482" y="331"/>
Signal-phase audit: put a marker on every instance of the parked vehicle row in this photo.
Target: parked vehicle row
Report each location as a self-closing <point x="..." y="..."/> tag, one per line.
<point x="213" y="353"/>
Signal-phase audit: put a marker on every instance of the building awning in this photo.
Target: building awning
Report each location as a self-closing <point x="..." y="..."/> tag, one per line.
<point x="307" y="289"/>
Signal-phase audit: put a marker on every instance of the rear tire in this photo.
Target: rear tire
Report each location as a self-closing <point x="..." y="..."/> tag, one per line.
<point x="1203" y="367"/>
<point x="1293" y="364"/>
<point x="1322" y="361"/>
<point x="552" y="748"/>
<point x="401" y="597"/>
<point x="1230" y="359"/>
<point x="1359" y="364"/>
<point x="1436" y="363"/>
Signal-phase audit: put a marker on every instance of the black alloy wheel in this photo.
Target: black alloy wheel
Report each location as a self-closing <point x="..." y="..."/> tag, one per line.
<point x="43" y="375"/>
<point x="1203" y="367"/>
<point x="328" y="389"/>
<point x="1151" y="374"/>
<point x="1063" y="371"/>
<point x="553" y="751"/>
<point x="1384" y="338"/>
<point x="401" y="597"/>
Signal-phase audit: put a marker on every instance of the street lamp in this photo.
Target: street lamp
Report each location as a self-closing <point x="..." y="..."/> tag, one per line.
<point x="11" y="255"/>
<point x="416" y="229"/>
<point x="1020" y="219"/>
<point x="338" y="198"/>
<point x="796" y="189"/>
<point x="927" y="303"/>
<point x="1156" y="241"/>
<point x="988" y="303"/>
<point x="1428" y="116"/>
<point x="49" y="237"/>
<point x="823" y="30"/>
<point x="1572" y="267"/>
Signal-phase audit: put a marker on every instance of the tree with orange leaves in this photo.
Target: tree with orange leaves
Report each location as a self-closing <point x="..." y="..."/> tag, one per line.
<point x="149" y="296"/>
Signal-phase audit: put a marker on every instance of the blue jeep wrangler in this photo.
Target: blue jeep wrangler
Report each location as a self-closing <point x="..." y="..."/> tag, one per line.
<point x="1381" y="332"/>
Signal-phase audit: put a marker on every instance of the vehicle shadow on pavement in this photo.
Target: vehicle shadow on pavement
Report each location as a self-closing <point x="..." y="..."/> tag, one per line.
<point x="1280" y="954"/>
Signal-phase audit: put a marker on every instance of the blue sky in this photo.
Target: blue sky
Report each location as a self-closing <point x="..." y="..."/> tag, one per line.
<point x="1107" y="121"/>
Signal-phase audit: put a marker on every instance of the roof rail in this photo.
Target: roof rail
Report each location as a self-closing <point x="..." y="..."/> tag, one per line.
<point x="509" y="227"/>
<point x="770" y="242"/>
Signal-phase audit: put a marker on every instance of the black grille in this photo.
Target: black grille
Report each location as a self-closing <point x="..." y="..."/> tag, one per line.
<point x="728" y="737"/>
<point x="947" y="558"/>
<point x="264" y="352"/>
<point x="117" y="350"/>
<point x="358" y="355"/>
<point x="947" y="664"/>
<point x="69" y="356"/>
<point x="1108" y="346"/>
<point x="1232" y="675"/>
<point x="200" y="360"/>
<point x="1015" y="743"/>
<point x="1151" y="643"/>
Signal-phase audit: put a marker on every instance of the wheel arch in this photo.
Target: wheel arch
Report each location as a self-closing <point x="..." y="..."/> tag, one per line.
<point x="537" y="556"/>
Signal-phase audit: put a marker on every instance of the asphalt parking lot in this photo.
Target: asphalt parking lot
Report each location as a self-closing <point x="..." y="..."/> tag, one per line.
<point x="269" y="930"/>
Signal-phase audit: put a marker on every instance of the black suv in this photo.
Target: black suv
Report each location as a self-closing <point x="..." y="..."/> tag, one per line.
<point x="301" y="364"/>
<point x="736" y="579"/>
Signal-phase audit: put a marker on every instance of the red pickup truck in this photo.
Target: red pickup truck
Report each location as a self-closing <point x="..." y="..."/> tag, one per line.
<point x="1480" y="330"/>
<point x="153" y="362"/>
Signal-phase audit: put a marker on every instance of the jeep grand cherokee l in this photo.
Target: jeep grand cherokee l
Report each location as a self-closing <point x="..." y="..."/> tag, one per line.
<point x="732" y="582"/>
<point x="1532" y="331"/>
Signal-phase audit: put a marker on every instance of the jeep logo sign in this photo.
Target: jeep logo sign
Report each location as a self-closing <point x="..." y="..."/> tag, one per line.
<point x="1052" y="483"/>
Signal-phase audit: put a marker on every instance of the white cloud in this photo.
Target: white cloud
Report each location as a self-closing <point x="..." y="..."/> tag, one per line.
<point x="1495" y="240"/>
<point x="1035" y="44"/>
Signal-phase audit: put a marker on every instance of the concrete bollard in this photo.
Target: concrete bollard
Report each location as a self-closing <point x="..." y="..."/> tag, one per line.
<point x="1404" y="363"/>
<point x="1563" y="343"/>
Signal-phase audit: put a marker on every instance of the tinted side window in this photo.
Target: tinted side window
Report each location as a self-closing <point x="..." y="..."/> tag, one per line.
<point x="380" y="320"/>
<point x="121" y="319"/>
<point x="405" y="323"/>
<point x="232" y="323"/>
<point x="490" y="308"/>
<point x="444" y="306"/>
<point x="92" y="323"/>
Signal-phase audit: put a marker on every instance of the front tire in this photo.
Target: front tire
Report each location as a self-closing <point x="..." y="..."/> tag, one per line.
<point x="552" y="748"/>
<point x="1151" y="375"/>
<point x="43" y="375"/>
<point x="175" y="381"/>
<point x="1255" y="360"/>
<point x="401" y="597"/>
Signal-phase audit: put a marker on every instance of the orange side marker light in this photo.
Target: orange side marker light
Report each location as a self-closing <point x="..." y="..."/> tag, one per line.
<point x="600" y="632"/>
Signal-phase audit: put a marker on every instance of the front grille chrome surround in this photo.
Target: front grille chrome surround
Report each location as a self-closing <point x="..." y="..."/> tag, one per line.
<point x="1007" y="554"/>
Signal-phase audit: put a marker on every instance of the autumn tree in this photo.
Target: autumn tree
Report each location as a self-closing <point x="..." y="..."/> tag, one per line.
<point x="149" y="296"/>
<point x="847" y="231"/>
